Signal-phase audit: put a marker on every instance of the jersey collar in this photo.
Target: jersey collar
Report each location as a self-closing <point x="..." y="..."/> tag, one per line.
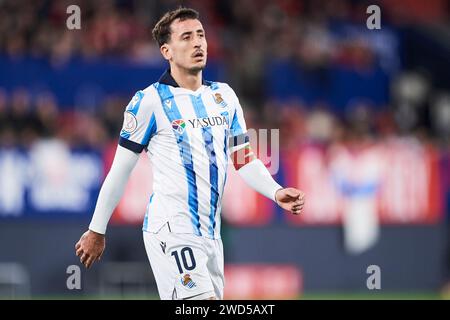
<point x="167" y="78"/>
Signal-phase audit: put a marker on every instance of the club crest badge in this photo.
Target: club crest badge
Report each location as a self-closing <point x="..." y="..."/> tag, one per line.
<point x="219" y="100"/>
<point x="187" y="281"/>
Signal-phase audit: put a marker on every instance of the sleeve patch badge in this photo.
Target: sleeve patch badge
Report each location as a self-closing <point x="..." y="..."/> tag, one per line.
<point x="129" y="122"/>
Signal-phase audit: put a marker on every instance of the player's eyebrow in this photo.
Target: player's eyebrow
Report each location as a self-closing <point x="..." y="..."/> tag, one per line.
<point x="190" y="32"/>
<point x="185" y="34"/>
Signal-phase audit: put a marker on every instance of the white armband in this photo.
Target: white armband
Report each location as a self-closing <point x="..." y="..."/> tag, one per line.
<point x="256" y="175"/>
<point x="112" y="188"/>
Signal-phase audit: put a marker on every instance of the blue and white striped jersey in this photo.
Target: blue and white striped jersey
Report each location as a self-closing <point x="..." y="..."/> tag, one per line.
<point x="185" y="134"/>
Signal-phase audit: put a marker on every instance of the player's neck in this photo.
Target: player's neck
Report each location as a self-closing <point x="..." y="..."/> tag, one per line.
<point x="187" y="80"/>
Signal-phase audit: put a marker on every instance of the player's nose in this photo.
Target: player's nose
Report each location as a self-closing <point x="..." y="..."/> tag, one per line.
<point x="198" y="42"/>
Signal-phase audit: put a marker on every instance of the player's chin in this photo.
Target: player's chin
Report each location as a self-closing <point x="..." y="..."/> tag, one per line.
<point x="198" y="66"/>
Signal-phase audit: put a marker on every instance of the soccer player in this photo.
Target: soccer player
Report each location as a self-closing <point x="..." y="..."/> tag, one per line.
<point x="189" y="127"/>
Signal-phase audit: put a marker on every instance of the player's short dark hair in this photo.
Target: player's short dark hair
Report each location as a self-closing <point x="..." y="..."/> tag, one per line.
<point x="161" y="32"/>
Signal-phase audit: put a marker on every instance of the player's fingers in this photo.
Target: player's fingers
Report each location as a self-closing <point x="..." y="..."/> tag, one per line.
<point x="297" y="205"/>
<point x="83" y="258"/>
<point x="89" y="262"/>
<point x="77" y="245"/>
<point x="86" y="262"/>
<point x="79" y="252"/>
<point x="297" y="209"/>
<point x="291" y="192"/>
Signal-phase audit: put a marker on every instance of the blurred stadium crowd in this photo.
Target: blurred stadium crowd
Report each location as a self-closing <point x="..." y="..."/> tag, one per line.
<point x="243" y="35"/>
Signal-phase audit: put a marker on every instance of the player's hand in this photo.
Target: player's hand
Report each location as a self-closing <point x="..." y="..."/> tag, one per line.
<point x="290" y="199"/>
<point x="90" y="247"/>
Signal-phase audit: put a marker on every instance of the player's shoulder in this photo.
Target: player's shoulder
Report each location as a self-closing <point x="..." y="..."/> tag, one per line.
<point x="223" y="87"/>
<point x="146" y="98"/>
<point x="216" y="85"/>
<point x="148" y="93"/>
<point x="151" y="91"/>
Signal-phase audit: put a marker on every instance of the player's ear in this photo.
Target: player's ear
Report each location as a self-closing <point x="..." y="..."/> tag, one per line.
<point x="165" y="51"/>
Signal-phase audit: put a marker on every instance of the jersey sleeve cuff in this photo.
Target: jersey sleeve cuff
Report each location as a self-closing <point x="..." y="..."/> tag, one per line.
<point x="131" y="145"/>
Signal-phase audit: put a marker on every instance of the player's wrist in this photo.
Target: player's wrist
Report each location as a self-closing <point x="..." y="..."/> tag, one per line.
<point x="96" y="233"/>
<point x="276" y="193"/>
<point x="97" y="228"/>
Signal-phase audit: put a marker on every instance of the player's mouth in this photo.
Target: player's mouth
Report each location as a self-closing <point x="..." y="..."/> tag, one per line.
<point x="198" y="55"/>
